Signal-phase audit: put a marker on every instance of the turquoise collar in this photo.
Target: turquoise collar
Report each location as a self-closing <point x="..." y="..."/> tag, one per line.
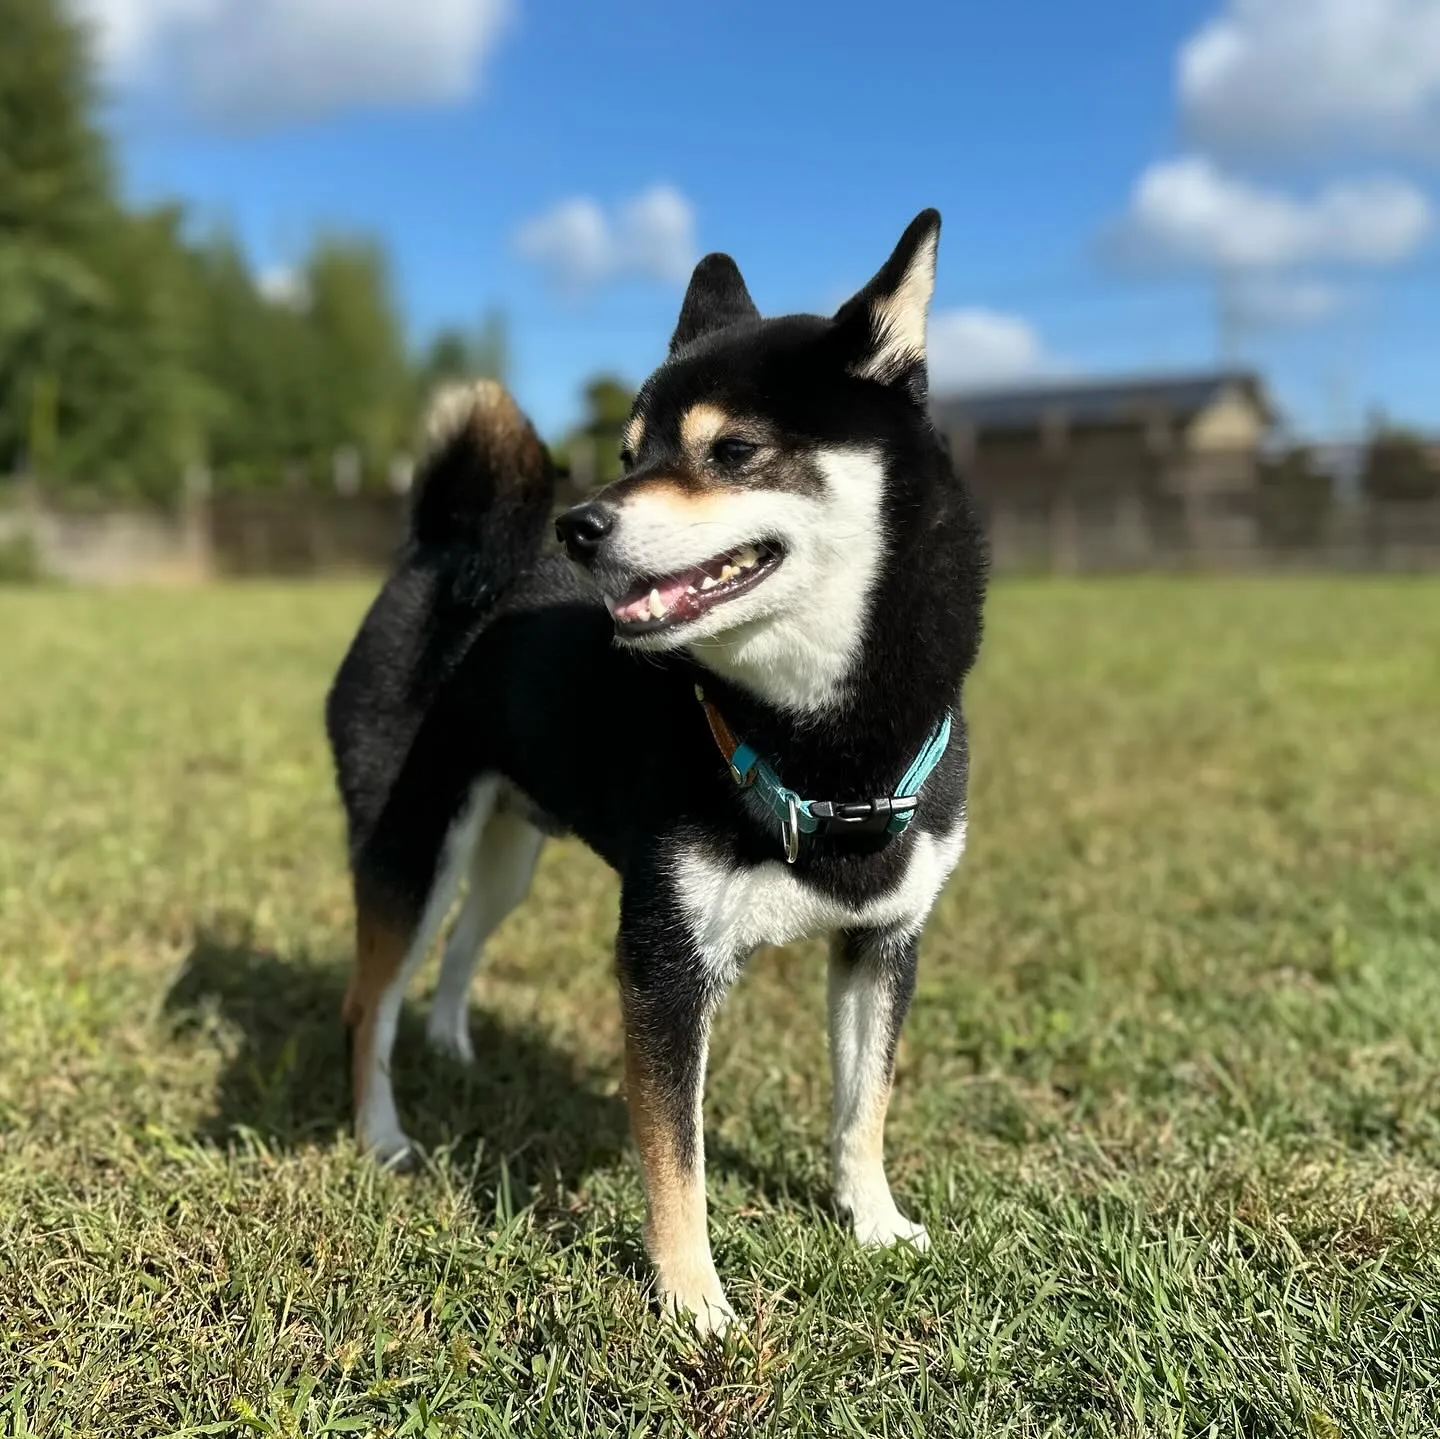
<point x="888" y="815"/>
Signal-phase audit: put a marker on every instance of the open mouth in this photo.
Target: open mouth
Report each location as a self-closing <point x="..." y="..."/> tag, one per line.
<point x="659" y="602"/>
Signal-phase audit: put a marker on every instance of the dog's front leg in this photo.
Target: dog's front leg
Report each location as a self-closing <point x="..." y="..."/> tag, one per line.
<point x="667" y="1004"/>
<point x="872" y="977"/>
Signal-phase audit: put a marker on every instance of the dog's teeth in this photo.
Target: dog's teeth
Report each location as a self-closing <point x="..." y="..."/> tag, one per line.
<point x="689" y="589"/>
<point x="657" y="606"/>
<point x="747" y="558"/>
<point x="709" y="582"/>
<point x="729" y="572"/>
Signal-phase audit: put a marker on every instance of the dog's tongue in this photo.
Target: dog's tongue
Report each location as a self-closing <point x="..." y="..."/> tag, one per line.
<point x="662" y="598"/>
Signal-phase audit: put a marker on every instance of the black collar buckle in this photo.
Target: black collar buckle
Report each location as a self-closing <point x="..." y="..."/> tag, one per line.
<point x="864" y="816"/>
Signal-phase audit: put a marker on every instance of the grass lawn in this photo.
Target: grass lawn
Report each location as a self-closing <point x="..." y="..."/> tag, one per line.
<point x="1169" y="1098"/>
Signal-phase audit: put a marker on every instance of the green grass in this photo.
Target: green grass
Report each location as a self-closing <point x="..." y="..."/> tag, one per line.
<point x="1169" y="1099"/>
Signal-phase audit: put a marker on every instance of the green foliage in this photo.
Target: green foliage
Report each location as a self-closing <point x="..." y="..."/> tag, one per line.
<point x="592" y="449"/>
<point x="1399" y="466"/>
<point x="358" y="348"/>
<point x="454" y="354"/>
<point x="1295" y="501"/>
<point x="99" y="382"/>
<point x="1167" y="1100"/>
<point x="55" y="202"/>
<point x="19" y="561"/>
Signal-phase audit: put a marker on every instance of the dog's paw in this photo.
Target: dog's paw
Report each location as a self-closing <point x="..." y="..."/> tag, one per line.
<point x="708" y="1312"/>
<point x="395" y="1151"/>
<point x="692" y="1292"/>
<point x="884" y="1228"/>
<point x="450" y="1038"/>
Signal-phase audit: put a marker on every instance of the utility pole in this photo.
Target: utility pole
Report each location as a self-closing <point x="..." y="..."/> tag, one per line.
<point x="1228" y="321"/>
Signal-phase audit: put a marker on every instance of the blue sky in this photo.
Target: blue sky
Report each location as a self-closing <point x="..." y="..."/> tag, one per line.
<point x="1125" y="185"/>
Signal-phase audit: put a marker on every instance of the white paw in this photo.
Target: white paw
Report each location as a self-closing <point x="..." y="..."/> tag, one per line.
<point x="882" y="1228"/>
<point x="709" y="1311"/>
<point x="447" y="1036"/>
<point x="392" y="1149"/>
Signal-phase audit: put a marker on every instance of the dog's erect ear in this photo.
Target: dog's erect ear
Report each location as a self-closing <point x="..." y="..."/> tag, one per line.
<point x="884" y="325"/>
<point x="717" y="297"/>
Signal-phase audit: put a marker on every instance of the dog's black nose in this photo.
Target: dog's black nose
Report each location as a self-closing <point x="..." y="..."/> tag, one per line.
<point x="582" y="530"/>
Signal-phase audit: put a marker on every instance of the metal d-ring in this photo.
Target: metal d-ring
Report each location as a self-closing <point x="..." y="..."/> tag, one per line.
<point x="790" y="831"/>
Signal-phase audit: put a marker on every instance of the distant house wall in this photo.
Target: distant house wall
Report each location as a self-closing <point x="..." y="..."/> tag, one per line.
<point x="1232" y="422"/>
<point x="1109" y="476"/>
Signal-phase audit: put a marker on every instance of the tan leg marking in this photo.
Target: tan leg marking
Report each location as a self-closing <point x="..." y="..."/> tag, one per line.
<point x="380" y="950"/>
<point x="676" y="1236"/>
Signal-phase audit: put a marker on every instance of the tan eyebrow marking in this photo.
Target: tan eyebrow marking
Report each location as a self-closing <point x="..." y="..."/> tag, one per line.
<point x="702" y="425"/>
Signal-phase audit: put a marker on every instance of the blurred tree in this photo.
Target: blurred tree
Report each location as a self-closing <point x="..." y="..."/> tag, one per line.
<point x="55" y="197"/>
<point x="98" y="337"/>
<point x="446" y="358"/>
<point x="299" y="377"/>
<point x="592" y="449"/>
<point x="361" y="381"/>
<point x="253" y="353"/>
<point x="140" y="404"/>
<point x="1295" y="500"/>
<point x="453" y="354"/>
<point x="1398" y="466"/>
<point x="490" y="357"/>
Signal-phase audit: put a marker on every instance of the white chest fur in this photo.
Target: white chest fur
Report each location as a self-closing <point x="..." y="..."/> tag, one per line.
<point x="733" y="909"/>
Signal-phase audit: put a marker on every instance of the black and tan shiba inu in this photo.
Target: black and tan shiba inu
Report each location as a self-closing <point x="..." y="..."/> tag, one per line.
<point x="740" y="685"/>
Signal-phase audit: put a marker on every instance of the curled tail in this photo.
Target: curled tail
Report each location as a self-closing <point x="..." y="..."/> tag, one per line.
<point x="481" y="502"/>
<point x="484" y="487"/>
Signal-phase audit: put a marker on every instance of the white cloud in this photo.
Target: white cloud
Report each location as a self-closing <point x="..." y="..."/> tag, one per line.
<point x="972" y="348"/>
<point x="1190" y="211"/>
<point x="1275" y="75"/>
<point x="651" y="236"/>
<point x="572" y="241"/>
<point x="655" y="235"/>
<point x="255" y="62"/>
<point x="126" y="31"/>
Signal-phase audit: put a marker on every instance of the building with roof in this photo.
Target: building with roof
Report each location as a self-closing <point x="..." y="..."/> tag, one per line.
<point x="1113" y="472"/>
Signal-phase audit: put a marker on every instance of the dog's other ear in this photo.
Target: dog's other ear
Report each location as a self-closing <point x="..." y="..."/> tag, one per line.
<point x="883" y="326"/>
<point x="717" y="297"/>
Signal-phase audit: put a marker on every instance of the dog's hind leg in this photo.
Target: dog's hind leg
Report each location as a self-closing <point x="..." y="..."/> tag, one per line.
<point x="500" y="869"/>
<point x="388" y="951"/>
<point x="872" y="977"/>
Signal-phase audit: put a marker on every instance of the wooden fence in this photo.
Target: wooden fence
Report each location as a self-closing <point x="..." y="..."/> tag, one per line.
<point x="1070" y="528"/>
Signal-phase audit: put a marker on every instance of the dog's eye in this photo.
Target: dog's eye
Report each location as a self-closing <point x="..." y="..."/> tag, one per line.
<point x="731" y="451"/>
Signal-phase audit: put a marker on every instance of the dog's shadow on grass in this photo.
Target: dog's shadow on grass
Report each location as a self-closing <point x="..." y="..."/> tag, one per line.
<point x="525" y="1113"/>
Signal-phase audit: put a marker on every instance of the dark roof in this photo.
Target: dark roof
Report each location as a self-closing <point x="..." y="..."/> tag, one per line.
<point x="1097" y="402"/>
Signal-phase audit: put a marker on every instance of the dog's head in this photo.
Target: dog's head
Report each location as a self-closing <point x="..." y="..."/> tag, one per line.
<point x="757" y="503"/>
